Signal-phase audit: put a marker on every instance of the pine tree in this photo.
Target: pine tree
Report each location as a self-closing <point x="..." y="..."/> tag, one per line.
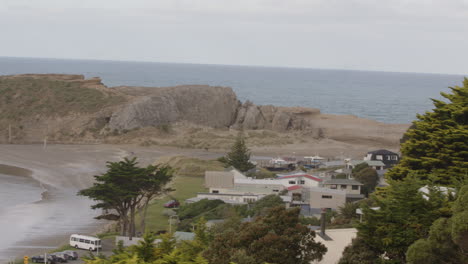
<point x="402" y="229"/>
<point x="448" y="237"/>
<point x="239" y="156"/>
<point x="403" y="216"/>
<point x="437" y="143"/>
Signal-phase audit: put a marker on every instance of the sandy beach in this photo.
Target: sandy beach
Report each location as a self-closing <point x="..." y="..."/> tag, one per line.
<point x="42" y="208"/>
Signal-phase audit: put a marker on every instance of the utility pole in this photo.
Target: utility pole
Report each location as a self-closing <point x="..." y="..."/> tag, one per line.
<point x="45" y="137"/>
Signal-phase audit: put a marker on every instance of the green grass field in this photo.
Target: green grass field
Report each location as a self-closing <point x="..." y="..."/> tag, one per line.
<point x="188" y="182"/>
<point x="186" y="187"/>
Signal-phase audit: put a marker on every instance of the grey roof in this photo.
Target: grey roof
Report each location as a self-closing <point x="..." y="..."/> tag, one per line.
<point x="343" y="181"/>
<point x="179" y="236"/>
<point x="334" y="163"/>
<point x="382" y="152"/>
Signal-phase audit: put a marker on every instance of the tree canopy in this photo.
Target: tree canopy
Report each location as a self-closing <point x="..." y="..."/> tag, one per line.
<point x="239" y="156"/>
<point x="403" y="216"/>
<point x="448" y="237"/>
<point x="167" y="251"/>
<point x="405" y="225"/>
<point x="367" y="176"/>
<point x="437" y="143"/>
<point x="124" y="187"/>
<point x="277" y="237"/>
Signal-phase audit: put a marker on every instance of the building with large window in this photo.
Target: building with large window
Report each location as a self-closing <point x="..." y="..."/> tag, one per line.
<point x="387" y="157"/>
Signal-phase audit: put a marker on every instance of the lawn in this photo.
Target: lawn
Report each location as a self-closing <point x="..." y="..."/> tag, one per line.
<point x="186" y="187"/>
<point x="188" y="181"/>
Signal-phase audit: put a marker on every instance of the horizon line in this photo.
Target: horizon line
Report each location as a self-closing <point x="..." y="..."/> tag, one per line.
<point x="235" y="65"/>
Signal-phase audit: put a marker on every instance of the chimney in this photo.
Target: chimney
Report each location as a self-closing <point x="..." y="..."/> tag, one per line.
<point x="323" y="222"/>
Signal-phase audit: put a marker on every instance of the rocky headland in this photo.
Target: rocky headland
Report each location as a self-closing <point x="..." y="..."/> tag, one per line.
<point x="72" y="109"/>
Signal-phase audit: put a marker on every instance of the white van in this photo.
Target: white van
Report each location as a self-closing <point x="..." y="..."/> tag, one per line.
<point x="85" y="242"/>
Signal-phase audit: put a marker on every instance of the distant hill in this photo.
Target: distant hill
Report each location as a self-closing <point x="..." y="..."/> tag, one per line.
<point x="72" y="109"/>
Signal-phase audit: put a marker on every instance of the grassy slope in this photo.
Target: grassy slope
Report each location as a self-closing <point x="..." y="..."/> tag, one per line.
<point x="188" y="182"/>
<point x="27" y="97"/>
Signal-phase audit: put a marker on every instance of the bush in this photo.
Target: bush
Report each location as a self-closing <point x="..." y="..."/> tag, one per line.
<point x="341" y="176"/>
<point x="309" y="221"/>
<point x="194" y="209"/>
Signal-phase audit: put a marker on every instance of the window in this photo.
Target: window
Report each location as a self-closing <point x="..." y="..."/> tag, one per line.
<point x="87" y="241"/>
<point x="249" y="200"/>
<point x="355" y="187"/>
<point x="302" y="182"/>
<point x="379" y="157"/>
<point x="81" y="240"/>
<point x="326" y="197"/>
<point x="275" y="190"/>
<point x="333" y="186"/>
<point x="215" y="191"/>
<point x="292" y="182"/>
<point x="343" y="186"/>
<point x="394" y="157"/>
<point x="389" y="157"/>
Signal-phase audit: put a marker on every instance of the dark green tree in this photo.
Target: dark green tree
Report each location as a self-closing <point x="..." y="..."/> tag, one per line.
<point x="348" y="210"/>
<point x="437" y="143"/>
<point x="124" y="187"/>
<point x="239" y="156"/>
<point x="360" y="167"/>
<point x="277" y="237"/>
<point x="264" y="204"/>
<point x="367" y="176"/>
<point x="435" y="152"/>
<point x="403" y="216"/>
<point x="359" y="252"/>
<point x="448" y="237"/>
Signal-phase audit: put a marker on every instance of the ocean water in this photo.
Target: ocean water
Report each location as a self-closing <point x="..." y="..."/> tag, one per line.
<point x="383" y="96"/>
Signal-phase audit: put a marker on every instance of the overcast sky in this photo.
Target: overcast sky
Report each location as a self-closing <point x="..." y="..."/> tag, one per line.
<point x="389" y="35"/>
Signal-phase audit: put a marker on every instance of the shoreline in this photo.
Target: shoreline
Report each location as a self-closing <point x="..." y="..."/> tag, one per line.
<point x="16" y="171"/>
<point x="44" y="212"/>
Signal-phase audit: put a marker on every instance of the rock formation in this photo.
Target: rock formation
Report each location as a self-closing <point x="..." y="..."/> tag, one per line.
<point x="94" y="111"/>
<point x="202" y="105"/>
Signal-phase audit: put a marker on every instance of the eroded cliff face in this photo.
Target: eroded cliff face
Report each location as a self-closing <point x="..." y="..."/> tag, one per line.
<point x="94" y="112"/>
<point x="201" y="105"/>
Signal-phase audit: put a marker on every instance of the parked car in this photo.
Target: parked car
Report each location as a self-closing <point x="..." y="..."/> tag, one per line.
<point x="41" y="259"/>
<point x="172" y="204"/>
<point x="72" y="255"/>
<point x="61" y="257"/>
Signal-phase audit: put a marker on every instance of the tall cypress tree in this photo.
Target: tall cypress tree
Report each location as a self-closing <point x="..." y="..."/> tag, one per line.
<point x="239" y="156"/>
<point x="437" y="143"/>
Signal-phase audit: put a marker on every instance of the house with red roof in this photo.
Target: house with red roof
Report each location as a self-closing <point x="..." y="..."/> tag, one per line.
<point x="300" y="179"/>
